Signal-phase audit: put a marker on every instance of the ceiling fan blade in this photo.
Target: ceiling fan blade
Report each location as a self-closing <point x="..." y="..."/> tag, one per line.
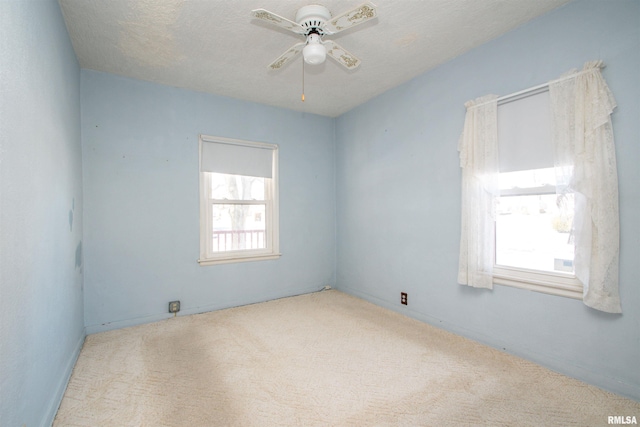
<point x="287" y="56"/>
<point x="278" y="20"/>
<point x="343" y="57"/>
<point x="351" y="18"/>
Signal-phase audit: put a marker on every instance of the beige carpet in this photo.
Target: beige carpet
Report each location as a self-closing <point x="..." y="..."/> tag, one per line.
<point x="324" y="359"/>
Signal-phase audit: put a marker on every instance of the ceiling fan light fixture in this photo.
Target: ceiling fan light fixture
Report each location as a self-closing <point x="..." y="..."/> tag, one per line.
<point x="314" y="22"/>
<point x="314" y="52"/>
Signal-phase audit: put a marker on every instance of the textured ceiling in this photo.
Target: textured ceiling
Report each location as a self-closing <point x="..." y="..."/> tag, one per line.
<point x="215" y="46"/>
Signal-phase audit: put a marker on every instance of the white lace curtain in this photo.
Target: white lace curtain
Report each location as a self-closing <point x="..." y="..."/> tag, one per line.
<point x="581" y="107"/>
<point x="478" y="148"/>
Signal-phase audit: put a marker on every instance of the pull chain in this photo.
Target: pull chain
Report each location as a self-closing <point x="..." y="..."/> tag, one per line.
<point x="302" y="79"/>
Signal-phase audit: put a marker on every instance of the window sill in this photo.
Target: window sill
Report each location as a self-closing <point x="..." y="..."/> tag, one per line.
<point x="230" y="260"/>
<point x="548" y="283"/>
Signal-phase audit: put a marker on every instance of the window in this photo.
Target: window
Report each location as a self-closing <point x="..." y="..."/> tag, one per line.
<point x="534" y="242"/>
<point x="506" y="163"/>
<point x="238" y="201"/>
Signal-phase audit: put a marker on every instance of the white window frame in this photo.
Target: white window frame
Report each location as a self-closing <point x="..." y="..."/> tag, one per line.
<point x="272" y="240"/>
<point x="553" y="283"/>
<point x="563" y="285"/>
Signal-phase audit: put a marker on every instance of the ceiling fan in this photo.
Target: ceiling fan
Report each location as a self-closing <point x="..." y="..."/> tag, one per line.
<point x="314" y="22"/>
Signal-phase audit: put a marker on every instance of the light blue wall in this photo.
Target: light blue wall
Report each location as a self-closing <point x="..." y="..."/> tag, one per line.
<point x="141" y="206"/>
<point x="390" y="164"/>
<point x="398" y="198"/>
<point x="41" y="320"/>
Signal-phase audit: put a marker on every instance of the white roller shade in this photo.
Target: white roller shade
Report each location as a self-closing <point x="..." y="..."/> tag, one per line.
<point x="236" y="158"/>
<point x="524" y="133"/>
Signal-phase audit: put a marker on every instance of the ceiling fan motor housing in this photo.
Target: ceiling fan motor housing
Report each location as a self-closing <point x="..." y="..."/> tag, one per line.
<point x="313" y="18"/>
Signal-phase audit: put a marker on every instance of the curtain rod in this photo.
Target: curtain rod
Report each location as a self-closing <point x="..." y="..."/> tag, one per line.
<point x="534" y="90"/>
<point x="522" y="94"/>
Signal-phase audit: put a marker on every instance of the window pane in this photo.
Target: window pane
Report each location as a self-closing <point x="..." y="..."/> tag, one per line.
<point x="535" y="232"/>
<point x="236" y="187"/>
<point x="238" y="227"/>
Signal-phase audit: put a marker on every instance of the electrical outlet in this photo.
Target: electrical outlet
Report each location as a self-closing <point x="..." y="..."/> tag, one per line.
<point x="174" y="306"/>
<point x="403" y="298"/>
